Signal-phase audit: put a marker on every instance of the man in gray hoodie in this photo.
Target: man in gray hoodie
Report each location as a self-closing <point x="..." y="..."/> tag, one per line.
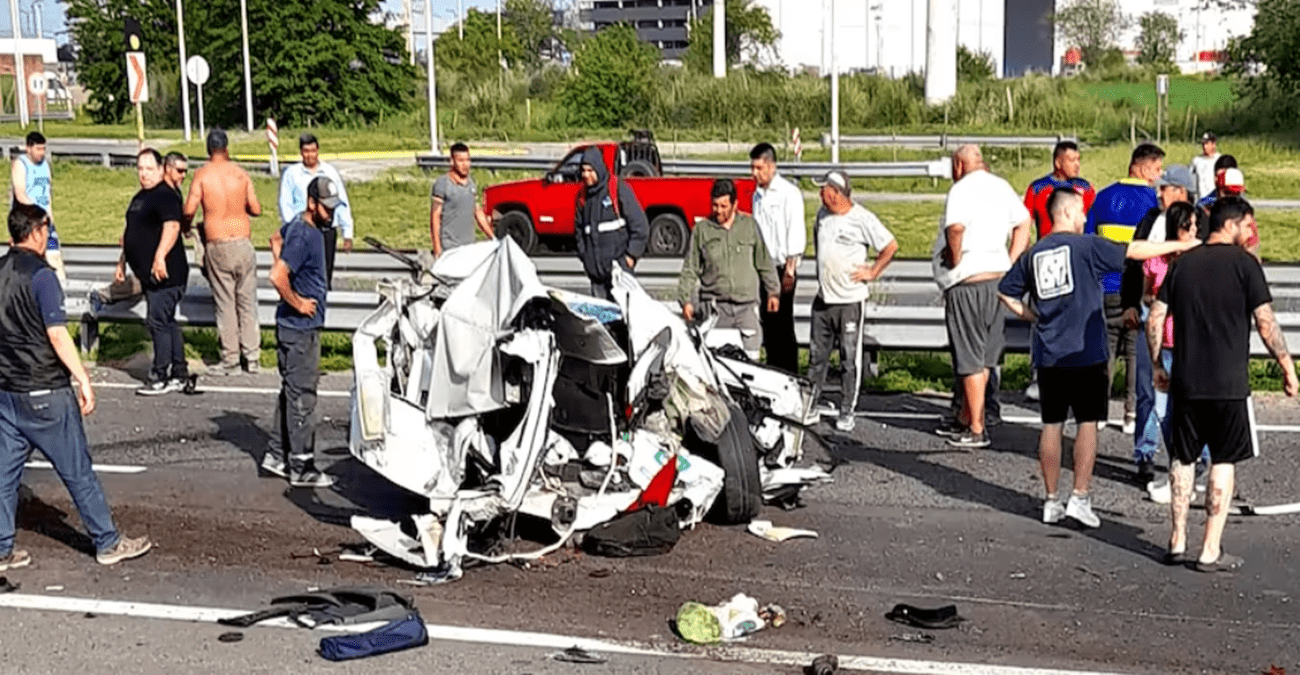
<point x="608" y="223"/>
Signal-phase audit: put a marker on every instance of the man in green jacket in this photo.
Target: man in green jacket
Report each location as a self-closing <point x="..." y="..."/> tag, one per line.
<point x="726" y="262"/>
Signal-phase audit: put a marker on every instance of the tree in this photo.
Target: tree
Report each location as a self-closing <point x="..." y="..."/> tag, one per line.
<point x="1091" y="25"/>
<point x="534" y="23"/>
<point x="749" y="35"/>
<point x="1159" y="38"/>
<point x="1271" y="53"/>
<point x="476" y="55"/>
<point x="312" y="61"/>
<point x="614" y="75"/>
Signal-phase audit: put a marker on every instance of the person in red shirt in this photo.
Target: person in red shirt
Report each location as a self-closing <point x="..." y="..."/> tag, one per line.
<point x="1066" y="163"/>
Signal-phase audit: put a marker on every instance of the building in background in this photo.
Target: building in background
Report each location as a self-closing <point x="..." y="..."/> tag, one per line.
<point x="39" y="56"/>
<point x="662" y="23"/>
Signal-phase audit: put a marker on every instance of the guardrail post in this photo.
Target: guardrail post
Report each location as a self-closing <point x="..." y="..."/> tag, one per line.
<point x="107" y="159"/>
<point x="89" y="333"/>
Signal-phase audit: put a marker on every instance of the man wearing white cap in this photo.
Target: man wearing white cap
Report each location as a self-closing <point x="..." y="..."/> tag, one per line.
<point x="843" y="232"/>
<point x="970" y="256"/>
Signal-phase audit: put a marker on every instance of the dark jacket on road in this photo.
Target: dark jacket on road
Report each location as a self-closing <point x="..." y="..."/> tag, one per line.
<point x="607" y="232"/>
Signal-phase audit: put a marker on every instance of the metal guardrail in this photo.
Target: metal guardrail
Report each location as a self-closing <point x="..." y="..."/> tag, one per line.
<point x="944" y="141"/>
<point x="906" y="312"/>
<point x="937" y="168"/>
<point x="122" y="160"/>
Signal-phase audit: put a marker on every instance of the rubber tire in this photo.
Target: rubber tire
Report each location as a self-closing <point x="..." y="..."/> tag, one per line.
<point x="668" y="236"/>
<point x="638" y="168"/>
<point x="741" y="498"/>
<point x="516" y="224"/>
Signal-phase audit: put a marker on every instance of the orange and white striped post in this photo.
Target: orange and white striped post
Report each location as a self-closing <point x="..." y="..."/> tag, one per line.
<point x="798" y="147"/>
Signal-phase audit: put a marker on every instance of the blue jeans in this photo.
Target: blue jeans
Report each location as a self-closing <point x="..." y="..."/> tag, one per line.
<point x="1162" y="407"/>
<point x="50" y="421"/>
<point x="1146" y="437"/>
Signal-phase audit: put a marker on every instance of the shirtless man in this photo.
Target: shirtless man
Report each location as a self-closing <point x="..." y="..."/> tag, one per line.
<point x="226" y="194"/>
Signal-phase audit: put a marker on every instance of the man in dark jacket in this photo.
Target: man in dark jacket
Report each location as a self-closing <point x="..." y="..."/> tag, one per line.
<point x="607" y="231"/>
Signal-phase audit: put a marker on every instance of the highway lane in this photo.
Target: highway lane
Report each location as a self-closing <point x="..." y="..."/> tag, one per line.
<point x="906" y="520"/>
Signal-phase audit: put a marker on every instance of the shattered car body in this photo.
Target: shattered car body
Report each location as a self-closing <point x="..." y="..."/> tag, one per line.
<point x="501" y="396"/>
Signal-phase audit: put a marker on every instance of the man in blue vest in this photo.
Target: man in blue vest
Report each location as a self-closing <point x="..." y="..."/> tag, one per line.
<point x="1115" y="216"/>
<point x="31" y="185"/>
<point x="39" y="406"/>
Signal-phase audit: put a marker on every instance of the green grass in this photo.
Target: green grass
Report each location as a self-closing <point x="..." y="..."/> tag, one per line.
<point x="118" y="342"/>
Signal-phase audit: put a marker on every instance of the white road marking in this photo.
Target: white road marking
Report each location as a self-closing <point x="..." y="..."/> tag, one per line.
<point x="1035" y="420"/>
<point x="323" y="393"/>
<point x="97" y="468"/>
<point x="529" y="639"/>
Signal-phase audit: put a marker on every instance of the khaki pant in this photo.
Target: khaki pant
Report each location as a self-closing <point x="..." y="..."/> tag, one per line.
<point x="232" y="273"/>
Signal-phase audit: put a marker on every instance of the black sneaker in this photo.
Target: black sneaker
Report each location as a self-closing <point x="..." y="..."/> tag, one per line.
<point x="951" y="429"/>
<point x="971" y="440"/>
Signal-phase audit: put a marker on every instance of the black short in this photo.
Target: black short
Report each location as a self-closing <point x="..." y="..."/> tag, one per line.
<point x="1083" y="390"/>
<point x="1224" y="425"/>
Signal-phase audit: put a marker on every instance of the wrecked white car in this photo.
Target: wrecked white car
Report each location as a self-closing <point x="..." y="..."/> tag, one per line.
<point x="499" y="396"/>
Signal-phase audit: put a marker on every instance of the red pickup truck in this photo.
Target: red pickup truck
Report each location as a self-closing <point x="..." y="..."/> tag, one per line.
<point x="541" y="209"/>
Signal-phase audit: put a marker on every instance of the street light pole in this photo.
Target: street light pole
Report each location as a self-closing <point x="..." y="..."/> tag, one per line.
<point x="185" y="85"/>
<point x="835" y="94"/>
<point x="428" y="62"/>
<point x="248" y="74"/>
<point x="719" y="38"/>
<point x="20" y="78"/>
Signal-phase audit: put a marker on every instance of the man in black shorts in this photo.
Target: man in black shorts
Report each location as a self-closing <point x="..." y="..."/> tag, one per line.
<point x="1212" y="293"/>
<point x="1062" y="274"/>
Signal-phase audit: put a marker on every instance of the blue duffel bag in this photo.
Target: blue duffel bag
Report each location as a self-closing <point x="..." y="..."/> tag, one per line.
<point x="390" y="637"/>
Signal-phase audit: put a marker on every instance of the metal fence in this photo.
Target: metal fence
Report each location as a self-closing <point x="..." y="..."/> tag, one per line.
<point x="945" y="141"/>
<point x="905" y="312"/>
<point x="938" y="168"/>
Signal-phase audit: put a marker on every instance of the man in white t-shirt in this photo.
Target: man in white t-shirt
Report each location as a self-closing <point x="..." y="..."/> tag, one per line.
<point x="1203" y="166"/>
<point x="843" y="232"/>
<point x="970" y="257"/>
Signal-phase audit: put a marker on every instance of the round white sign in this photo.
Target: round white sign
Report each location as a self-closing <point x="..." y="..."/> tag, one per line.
<point x="196" y="68"/>
<point x="37" y="84"/>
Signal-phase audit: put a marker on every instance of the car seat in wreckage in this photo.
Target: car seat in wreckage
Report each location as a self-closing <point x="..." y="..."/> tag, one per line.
<point x="464" y="409"/>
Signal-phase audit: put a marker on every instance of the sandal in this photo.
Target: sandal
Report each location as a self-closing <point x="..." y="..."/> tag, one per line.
<point x="1226" y="563"/>
<point x="1172" y="559"/>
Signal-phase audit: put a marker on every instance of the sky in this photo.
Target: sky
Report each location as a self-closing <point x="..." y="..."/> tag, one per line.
<point x="54" y="20"/>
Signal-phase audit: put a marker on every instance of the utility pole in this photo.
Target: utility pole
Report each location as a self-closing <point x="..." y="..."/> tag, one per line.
<point x="248" y="74"/>
<point x="719" y="38"/>
<point x="410" y="30"/>
<point x="20" y="78"/>
<point x="428" y="62"/>
<point x="941" y="53"/>
<point x="185" y="83"/>
<point x="835" y="93"/>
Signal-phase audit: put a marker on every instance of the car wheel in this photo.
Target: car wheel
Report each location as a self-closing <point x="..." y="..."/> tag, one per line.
<point x="734" y="451"/>
<point x="516" y="224"/>
<point x="668" y="235"/>
<point x="638" y="168"/>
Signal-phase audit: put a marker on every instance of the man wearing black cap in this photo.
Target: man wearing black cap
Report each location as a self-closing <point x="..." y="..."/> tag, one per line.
<point x="609" y="224"/>
<point x="298" y="275"/>
<point x="1203" y="166"/>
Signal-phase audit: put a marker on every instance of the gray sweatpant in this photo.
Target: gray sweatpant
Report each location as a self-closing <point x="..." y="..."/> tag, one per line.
<point x="837" y="326"/>
<point x="742" y="316"/>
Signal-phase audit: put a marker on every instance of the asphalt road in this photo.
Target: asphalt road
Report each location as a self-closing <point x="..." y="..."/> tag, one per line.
<point x="906" y="520"/>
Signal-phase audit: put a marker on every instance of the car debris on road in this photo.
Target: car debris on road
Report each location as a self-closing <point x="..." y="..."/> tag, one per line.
<point x="498" y="396"/>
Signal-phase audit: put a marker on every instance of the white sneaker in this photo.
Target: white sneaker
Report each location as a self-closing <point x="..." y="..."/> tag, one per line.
<point x="1053" y="511"/>
<point x="1101" y="424"/>
<point x="1160" y="492"/>
<point x="1130" y="424"/>
<point x="1080" y="509"/>
<point x="1031" y="392"/>
<point x="845" y="423"/>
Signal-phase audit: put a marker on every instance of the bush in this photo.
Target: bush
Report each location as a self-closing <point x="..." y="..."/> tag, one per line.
<point x="974" y="66"/>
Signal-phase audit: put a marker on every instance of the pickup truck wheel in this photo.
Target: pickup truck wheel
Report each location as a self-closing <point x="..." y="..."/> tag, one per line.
<point x="668" y="235"/>
<point x="517" y="225"/>
<point x="638" y="168"/>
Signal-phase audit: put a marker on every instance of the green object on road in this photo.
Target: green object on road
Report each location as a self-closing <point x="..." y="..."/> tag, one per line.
<point x="698" y="624"/>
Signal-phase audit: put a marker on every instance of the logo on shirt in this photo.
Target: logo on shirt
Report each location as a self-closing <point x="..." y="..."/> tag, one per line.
<point x="1053" y="273"/>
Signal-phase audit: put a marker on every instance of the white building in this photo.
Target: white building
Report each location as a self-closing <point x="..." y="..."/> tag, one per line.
<point x="889" y="35"/>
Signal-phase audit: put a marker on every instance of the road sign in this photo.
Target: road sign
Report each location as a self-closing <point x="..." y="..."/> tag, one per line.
<point x="196" y="68"/>
<point x="137" y="82"/>
<point x="272" y="133"/>
<point x="1162" y="84"/>
<point x="37" y="84"/>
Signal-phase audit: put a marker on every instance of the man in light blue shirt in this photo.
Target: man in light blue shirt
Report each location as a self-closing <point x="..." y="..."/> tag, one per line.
<point x="293" y="198"/>
<point x="31" y="181"/>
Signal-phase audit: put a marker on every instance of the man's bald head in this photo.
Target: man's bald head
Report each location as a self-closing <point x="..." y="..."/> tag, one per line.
<point x="965" y="159"/>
